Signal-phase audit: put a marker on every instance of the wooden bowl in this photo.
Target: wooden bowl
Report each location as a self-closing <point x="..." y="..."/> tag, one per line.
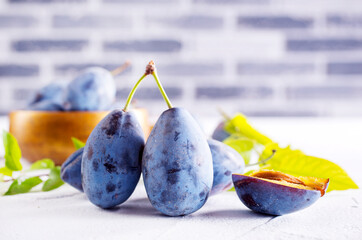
<point x="43" y="134"/>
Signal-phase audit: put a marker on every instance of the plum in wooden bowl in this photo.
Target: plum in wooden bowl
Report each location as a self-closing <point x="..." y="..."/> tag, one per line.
<point x="47" y="134"/>
<point x="276" y="193"/>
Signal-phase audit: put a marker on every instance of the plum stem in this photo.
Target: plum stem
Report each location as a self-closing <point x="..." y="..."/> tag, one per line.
<point x="130" y="96"/>
<point x="149" y="70"/>
<point x="163" y="92"/>
<point x="224" y="114"/>
<point x="262" y="161"/>
<point x="121" y="68"/>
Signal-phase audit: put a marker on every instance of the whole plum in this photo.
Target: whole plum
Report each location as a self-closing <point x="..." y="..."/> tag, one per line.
<point x="225" y="162"/>
<point x="48" y="98"/>
<point x="93" y="90"/>
<point x="71" y="170"/>
<point x="111" y="161"/>
<point x="177" y="164"/>
<point x="219" y="133"/>
<point x="45" y="105"/>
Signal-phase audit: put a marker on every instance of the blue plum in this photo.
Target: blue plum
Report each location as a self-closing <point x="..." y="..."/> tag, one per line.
<point x="53" y="91"/>
<point x="71" y="170"/>
<point x="219" y="133"/>
<point x="276" y="197"/>
<point x="45" y="105"/>
<point x="177" y="164"/>
<point x="225" y="162"/>
<point x="93" y="90"/>
<point x="48" y="98"/>
<point x="111" y="161"/>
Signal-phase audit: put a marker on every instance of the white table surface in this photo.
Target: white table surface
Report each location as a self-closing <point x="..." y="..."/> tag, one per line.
<point x="66" y="213"/>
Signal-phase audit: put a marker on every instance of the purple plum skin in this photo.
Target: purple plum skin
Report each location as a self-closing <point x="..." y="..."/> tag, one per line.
<point x="225" y="162"/>
<point x="177" y="164"/>
<point x="71" y="170"/>
<point x="48" y="98"/>
<point x="94" y="90"/>
<point x="45" y="105"/>
<point x="219" y="133"/>
<point x="271" y="198"/>
<point x="111" y="161"/>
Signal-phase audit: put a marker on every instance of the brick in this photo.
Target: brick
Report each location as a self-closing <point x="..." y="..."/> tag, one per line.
<point x="13" y="70"/>
<point x="190" y="22"/>
<point x="324" y="44"/>
<point x="90" y="21"/>
<point x="274" y="68"/>
<point x="17" y="21"/>
<point x="150" y="93"/>
<point x="48" y="45"/>
<point x="75" y="68"/>
<point x="232" y="92"/>
<point x="143" y="46"/>
<point x="191" y="69"/>
<point x="344" y="21"/>
<point x="324" y="92"/>
<point x="350" y="68"/>
<point x="231" y="1"/>
<point x="278" y="22"/>
<point x="46" y="1"/>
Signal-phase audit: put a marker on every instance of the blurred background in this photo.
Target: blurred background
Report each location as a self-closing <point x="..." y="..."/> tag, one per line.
<point x="260" y="57"/>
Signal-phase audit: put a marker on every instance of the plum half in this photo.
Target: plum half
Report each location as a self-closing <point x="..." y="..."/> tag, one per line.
<point x="276" y="193"/>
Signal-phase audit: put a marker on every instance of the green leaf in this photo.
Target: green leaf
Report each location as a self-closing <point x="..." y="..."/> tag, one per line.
<point x="12" y="152"/>
<point x="25" y="186"/>
<point x="239" y="124"/>
<point x="77" y="143"/>
<point x="45" y="163"/>
<point x="242" y="145"/>
<point x="296" y="163"/>
<point x="6" y="171"/>
<point x="54" y="181"/>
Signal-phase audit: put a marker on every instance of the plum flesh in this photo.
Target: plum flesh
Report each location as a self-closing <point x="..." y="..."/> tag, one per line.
<point x="275" y="197"/>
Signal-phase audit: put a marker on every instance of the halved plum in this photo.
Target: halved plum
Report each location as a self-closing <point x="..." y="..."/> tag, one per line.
<point x="276" y="193"/>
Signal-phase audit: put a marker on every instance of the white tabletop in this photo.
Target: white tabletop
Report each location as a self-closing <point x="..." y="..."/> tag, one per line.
<point x="66" y="213"/>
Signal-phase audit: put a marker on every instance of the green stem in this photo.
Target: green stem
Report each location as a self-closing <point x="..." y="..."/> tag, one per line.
<point x="130" y="96"/>
<point x="262" y="161"/>
<point x="164" y="95"/>
<point x="224" y="114"/>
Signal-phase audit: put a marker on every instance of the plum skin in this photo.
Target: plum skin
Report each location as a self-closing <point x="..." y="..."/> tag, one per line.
<point x="225" y="162"/>
<point x="177" y="164"/>
<point x="93" y="90"/>
<point x="271" y="198"/>
<point x="111" y="161"/>
<point x="219" y="133"/>
<point x="48" y="98"/>
<point x="71" y="170"/>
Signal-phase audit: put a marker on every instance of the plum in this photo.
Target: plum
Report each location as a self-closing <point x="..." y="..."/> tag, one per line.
<point x="177" y="164"/>
<point x="225" y="162"/>
<point x="48" y="98"/>
<point x="276" y="193"/>
<point x="111" y="161"/>
<point x="93" y="90"/>
<point x="219" y="133"/>
<point x="45" y="105"/>
<point x="71" y="170"/>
